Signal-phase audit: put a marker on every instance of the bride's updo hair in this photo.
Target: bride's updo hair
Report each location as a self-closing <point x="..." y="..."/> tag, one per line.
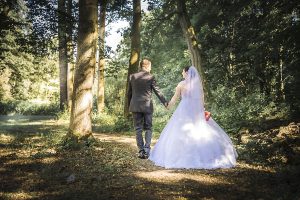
<point x="186" y="69"/>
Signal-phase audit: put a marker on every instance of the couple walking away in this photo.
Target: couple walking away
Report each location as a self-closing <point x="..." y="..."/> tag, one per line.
<point x="189" y="140"/>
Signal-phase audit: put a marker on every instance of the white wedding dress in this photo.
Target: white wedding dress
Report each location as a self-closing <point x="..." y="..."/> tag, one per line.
<point x="188" y="140"/>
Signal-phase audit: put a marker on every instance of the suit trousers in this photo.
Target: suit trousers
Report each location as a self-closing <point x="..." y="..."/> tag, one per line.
<point x="143" y="121"/>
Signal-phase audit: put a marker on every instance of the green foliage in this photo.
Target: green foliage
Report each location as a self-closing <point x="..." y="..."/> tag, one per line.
<point x="246" y="46"/>
<point x="71" y="143"/>
<point x="251" y="62"/>
<point x="160" y="117"/>
<point x="23" y="75"/>
<point x="235" y="112"/>
<point x="28" y="108"/>
<point x="28" y="77"/>
<point x="250" y="54"/>
<point x="110" y="122"/>
<point x="63" y="115"/>
<point x="115" y="93"/>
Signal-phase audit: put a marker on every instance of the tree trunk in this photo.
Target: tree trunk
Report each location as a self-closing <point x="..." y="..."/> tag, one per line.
<point x="135" y="47"/>
<point x="281" y="81"/>
<point x="231" y="59"/>
<point x="63" y="57"/>
<point x="100" y="91"/>
<point x="81" y="112"/>
<point x="191" y="39"/>
<point x="70" y="45"/>
<point x="70" y="77"/>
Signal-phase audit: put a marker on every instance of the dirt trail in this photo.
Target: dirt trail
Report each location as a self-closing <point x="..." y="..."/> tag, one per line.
<point x="33" y="166"/>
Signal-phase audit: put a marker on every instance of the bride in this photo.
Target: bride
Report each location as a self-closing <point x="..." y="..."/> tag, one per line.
<point x="190" y="140"/>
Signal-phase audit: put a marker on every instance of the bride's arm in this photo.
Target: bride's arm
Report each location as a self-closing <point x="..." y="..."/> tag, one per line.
<point x="176" y="96"/>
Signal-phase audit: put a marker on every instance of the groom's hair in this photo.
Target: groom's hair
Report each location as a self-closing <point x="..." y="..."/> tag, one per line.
<point x="145" y="63"/>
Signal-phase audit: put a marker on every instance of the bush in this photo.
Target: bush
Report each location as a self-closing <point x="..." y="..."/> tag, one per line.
<point x="234" y="111"/>
<point x="28" y="108"/>
<point x="105" y="122"/>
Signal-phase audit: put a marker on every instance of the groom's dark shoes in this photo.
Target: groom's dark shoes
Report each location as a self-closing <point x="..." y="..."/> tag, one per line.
<point x="141" y="154"/>
<point x="146" y="155"/>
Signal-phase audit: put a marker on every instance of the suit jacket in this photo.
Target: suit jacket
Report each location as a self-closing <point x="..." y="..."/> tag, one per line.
<point x="141" y="86"/>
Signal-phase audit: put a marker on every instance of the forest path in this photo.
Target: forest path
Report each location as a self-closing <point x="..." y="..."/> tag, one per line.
<point x="34" y="166"/>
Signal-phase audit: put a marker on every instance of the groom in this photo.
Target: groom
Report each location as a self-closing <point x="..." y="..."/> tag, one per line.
<point x="141" y="86"/>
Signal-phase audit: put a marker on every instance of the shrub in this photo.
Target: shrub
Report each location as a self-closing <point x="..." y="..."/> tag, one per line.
<point x="28" y="108"/>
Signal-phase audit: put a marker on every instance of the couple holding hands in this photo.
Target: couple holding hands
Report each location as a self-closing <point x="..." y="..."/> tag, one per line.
<point x="190" y="139"/>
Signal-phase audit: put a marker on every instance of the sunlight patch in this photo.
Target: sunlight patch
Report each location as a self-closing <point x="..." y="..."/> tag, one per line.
<point x="6" y="138"/>
<point x="197" y="131"/>
<point x="174" y="176"/>
<point x="99" y="149"/>
<point x="17" y="195"/>
<point x="49" y="160"/>
<point x="255" y="167"/>
<point x="2" y="169"/>
<point x="112" y="138"/>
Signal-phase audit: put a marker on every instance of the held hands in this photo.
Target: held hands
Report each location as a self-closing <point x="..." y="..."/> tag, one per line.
<point x="166" y="105"/>
<point x="169" y="106"/>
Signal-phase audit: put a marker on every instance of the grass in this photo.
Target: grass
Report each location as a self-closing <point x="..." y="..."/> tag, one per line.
<point x="34" y="166"/>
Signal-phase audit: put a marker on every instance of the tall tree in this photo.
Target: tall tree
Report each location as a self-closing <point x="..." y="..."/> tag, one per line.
<point x="70" y="45"/>
<point x="101" y="66"/>
<point x="15" y="61"/>
<point x="191" y="38"/>
<point x="81" y="113"/>
<point x="135" y="46"/>
<point x="63" y="56"/>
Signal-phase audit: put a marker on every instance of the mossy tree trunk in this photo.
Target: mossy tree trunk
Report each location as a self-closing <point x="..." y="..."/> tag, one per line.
<point x="70" y="45"/>
<point x="100" y="91"/>
<point x="81" y="113"/>
<point x="63" y="57"/>
<point x="191" y="39"/>
<point x="135" y="47"/>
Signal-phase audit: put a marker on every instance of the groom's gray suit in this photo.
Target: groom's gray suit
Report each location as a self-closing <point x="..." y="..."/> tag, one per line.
<point x="141" y="86"/>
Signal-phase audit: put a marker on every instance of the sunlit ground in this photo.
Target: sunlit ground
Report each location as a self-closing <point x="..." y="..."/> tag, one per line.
<point x="166" y="176"/>
<point x="34" y="166"/>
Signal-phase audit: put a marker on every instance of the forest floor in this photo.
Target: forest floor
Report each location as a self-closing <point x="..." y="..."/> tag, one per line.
<point x="34" y="166"/>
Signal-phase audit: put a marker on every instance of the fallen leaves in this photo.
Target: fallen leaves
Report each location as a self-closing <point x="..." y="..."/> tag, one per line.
<point x="35" y="167"/>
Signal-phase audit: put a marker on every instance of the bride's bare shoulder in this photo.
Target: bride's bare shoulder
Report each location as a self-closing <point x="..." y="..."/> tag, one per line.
<point x="181" y="84"/>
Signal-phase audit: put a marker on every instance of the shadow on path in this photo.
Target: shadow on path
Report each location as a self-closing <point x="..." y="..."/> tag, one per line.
<point x="31" y="167"/>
